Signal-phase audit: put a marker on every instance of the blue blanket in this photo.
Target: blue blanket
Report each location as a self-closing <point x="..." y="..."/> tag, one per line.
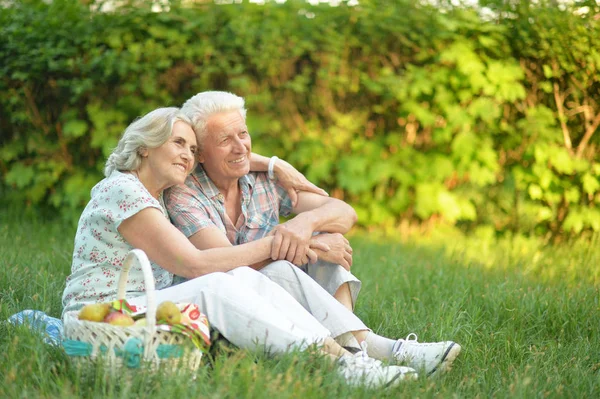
<point x="50" y="328"/>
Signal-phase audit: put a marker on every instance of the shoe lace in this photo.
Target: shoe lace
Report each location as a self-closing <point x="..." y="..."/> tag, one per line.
<point x="405" y="352"/>
<point x="363" y="351"/>
<point x="411" y="337"/>
<point x="361" y="359"/>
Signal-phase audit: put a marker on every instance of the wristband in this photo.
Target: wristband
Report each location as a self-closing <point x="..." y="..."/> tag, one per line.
<point x="271" y="166"/>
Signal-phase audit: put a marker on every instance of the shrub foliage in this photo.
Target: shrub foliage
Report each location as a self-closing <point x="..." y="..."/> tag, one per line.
<point x="410" y="113"/>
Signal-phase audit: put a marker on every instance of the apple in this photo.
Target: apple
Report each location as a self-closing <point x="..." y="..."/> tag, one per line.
<point x="119" y="319"/>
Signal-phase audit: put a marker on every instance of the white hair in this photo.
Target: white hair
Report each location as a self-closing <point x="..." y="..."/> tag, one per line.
<point x="149" y="131"/>
<point x="203" y="105"/>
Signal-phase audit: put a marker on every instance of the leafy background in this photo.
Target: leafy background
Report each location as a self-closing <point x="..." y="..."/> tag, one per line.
<point x="416" y="115"/>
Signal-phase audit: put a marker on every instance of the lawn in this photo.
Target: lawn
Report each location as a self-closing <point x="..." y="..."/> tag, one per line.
<point x="526" y="315"/>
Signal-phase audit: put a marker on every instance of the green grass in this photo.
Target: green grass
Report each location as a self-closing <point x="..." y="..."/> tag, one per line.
<point x="526" y="315"/>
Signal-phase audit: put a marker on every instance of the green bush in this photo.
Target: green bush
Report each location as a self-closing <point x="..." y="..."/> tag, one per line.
<point x="408" y="112"/>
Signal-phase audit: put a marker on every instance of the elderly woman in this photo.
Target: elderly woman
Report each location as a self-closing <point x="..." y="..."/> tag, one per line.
<point x="126" y="211"/>
<point x="222" y="204"/>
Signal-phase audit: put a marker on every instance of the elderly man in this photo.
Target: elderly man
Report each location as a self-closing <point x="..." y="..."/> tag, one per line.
<point x="223" y="204"/>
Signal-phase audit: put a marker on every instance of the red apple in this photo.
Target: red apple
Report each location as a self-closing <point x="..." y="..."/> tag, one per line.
<point x="119" y="319"/>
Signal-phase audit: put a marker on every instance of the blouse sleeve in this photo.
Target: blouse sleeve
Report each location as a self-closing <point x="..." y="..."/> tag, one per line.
<point x="124" y="197"/>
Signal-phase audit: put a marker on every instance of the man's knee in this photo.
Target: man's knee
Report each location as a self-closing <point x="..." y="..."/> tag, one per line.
<point x="280" y="268"/>
<point x="248" y="275"/>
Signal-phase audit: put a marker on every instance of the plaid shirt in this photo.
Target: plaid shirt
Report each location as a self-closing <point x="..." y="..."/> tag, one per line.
<point x="199" y="204"/>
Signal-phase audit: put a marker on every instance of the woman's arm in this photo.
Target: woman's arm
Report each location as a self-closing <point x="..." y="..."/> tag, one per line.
<point x="287" y="176"/>
<point x="151" y="232"/>
<point x="259" y="163"/>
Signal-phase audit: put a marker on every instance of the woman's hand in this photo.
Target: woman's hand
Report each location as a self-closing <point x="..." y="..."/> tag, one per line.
<point x="292" y="180"/>
<point x="292" y="247"/>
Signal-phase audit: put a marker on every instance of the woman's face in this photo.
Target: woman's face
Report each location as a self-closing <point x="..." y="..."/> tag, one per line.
<point x="170" y="163"/>
<point x="226" y="149"/>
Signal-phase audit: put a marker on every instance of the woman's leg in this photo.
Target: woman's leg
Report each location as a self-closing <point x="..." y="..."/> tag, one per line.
<point x="248" y="312"/>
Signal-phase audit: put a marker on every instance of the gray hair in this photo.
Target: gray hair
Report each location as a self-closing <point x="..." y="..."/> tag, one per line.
<point x="149" y="131"/>
<point x="208" y="103"/>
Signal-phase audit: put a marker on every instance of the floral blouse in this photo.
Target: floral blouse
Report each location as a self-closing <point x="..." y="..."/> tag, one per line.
<point x="100" y="249"/>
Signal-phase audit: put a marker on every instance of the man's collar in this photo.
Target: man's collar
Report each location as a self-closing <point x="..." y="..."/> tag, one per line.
<point x="248" y="180"/>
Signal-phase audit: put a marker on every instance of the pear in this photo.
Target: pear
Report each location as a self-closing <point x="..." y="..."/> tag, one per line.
<point x="168" y="312"/>
<point x="119" y="319"/>
<point x="94" y="312"/>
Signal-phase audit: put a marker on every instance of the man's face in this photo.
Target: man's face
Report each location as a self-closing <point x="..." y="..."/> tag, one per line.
<point x="227" y="147"/>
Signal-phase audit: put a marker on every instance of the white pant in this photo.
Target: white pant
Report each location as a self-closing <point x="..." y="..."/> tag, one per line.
<point x="249" y="310"/>
<point x="331" y="277"/>
<point x="314" y="298"/>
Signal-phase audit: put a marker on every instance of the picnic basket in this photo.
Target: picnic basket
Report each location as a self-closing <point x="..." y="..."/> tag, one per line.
<point x="130" y="347"/>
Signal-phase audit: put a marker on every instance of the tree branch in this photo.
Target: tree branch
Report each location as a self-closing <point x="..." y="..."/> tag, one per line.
<point x="580" y="109"/>
<point x="561" y="117"/>
<point x="63" y="147"/>
<point x="34" y="112"/>
<point x="589" y="132"/>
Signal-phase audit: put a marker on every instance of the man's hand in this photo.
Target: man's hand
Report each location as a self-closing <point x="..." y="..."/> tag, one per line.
<point x="340" y="251"/>
<point x="292" y="180"/>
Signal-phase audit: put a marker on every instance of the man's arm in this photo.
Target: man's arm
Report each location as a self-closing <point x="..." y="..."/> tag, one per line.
<point x="313" y="213"/>
<point x="324" y="214"/>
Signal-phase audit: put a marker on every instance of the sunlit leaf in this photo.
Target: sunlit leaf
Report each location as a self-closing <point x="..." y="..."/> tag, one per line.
<point x="535" y="192"/>
<point x="75" y="128"/>
<point x="590" y="183"/>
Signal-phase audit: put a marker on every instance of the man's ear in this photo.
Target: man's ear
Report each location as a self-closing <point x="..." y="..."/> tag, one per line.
<point x="200" y="157"/>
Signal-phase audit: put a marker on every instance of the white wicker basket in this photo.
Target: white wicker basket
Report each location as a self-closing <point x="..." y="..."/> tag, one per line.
<point x="130" y="346"/>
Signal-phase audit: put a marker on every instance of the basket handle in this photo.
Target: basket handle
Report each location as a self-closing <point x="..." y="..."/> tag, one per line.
<point x="141" y="258"/>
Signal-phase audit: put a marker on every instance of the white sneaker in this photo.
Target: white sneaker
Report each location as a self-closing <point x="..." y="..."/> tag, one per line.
<point x="431" y="357"/>
<point x="360" y="369"/>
